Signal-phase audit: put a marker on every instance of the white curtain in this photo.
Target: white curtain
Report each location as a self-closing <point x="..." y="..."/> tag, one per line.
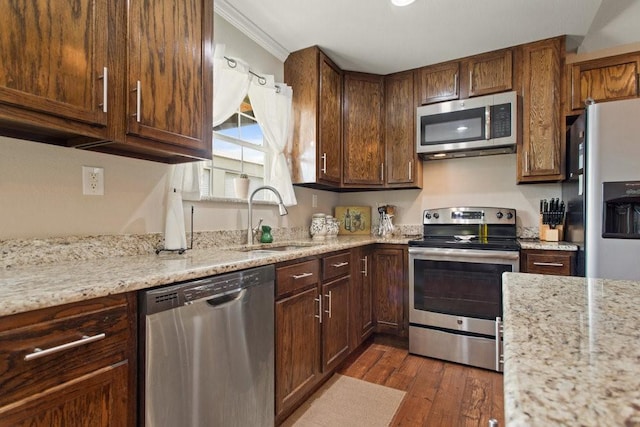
<point x="272" y="108"/>
<point x="230" y="84"/>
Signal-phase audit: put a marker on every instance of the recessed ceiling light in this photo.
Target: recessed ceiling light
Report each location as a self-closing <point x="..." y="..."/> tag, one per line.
<point x="402" y="2"/>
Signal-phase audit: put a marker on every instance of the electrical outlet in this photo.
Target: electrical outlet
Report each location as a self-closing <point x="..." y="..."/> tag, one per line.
<point x="314" y="200"/>
<point x="92" y="181"/>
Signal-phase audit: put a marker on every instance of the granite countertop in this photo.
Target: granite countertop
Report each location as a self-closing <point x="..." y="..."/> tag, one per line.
<point x="571" y="351"/>
<point x="548" y="246"/>
<point x="38" y="286"/>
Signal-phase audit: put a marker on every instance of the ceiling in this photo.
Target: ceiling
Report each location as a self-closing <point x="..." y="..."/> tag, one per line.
<point x="376" y="37"/>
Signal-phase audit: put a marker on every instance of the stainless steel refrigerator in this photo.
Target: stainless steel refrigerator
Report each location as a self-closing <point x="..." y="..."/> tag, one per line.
<point x="602" y="190"/>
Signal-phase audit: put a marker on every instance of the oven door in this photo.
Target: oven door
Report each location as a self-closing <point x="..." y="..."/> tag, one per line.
<point x="458" y="289"/>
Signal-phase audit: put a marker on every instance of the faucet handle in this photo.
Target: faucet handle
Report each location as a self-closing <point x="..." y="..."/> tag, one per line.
<point x="257" y="227"/>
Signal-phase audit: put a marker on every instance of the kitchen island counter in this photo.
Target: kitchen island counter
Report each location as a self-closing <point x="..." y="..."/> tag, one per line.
<point x="571" y="351"/>
<point x="33" y="287"/>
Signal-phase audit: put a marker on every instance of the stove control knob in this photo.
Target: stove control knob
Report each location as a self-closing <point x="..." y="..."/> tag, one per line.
<point x="427" y="215"/>
<point x="499" y="215"/>
<point x="436" y="215"/>
<point x="509" y="215"/>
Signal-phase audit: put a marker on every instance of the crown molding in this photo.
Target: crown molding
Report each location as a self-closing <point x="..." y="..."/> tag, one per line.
<point x="251" y="30"/>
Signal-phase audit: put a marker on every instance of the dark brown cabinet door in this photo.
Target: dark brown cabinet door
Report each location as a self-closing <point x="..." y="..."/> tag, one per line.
<point x="53" y="60"/>
<point x="559" y="263"/>
<point x="490" y="73"/>
<point x="96" y="399"/>
<point x="439" y="82"/>
<point x="330" y="125"/>
<point x="389" y="279"/>
<point x="542" y="153"/>
<point x="86" y="378"/>
<point x="169" y="73"/>
<point x="297" y="351"/>
<point x="605" y="79"/>
<point x="361" y="295"/>
<point x="363" y="124"/>
<point x="402" y="167"/>
<point x="335" y="322"/>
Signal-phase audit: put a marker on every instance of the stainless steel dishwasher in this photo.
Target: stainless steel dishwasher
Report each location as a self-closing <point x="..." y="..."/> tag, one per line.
<point x="208" y="351"/>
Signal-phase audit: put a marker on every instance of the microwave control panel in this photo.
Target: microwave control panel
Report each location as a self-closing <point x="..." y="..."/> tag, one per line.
<point x="501" y="120"/>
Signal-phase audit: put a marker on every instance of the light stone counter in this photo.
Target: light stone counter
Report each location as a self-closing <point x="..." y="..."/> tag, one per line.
<point x="547" y="246"/>
<point x="30" y="287"/>
<point x="571" y="351"/>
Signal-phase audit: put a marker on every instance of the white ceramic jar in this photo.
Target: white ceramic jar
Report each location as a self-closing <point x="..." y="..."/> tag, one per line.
<point x="318" y="228"/>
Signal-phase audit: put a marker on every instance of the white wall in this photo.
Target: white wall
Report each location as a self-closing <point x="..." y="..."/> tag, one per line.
<point x="475" y="181"/>
<point x="616" y="23"/>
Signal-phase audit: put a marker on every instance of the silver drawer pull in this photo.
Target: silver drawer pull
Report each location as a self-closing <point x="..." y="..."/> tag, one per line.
<point x="38" y="352"/>
<point x="549" y="264"/>
<point x="340" y="264"/>
<point x="301" y="276"/>
<point x="329" y="298"/>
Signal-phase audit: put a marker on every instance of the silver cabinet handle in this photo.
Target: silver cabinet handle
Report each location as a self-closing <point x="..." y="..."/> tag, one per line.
<point x="526" y="162"/>
<point x="499" y="357"/>
<point x="38" y="352"/>
<point x="105" y="84"/>
<point x="455" y="84"/>
<point x="324" y="163"/>
<point x="138" y="101"/>
<point x="382" y="172"/>
<point x="410" y="171"/>
<point x="470" y="80"/>
<point x="487" y="122"/>
<point x="328" y="296"/>
<point x="340" y="264"/>
<point x="549" y="264"/>
<point x="301" y="276"/>
<point x="319" y="315"/>
<point x="366" y="269"/>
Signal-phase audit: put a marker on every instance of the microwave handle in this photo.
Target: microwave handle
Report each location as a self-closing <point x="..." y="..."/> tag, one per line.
<point x="487" y="122"/>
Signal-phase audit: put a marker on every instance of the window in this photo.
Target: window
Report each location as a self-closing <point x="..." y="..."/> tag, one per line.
<point x="238" y="147"/>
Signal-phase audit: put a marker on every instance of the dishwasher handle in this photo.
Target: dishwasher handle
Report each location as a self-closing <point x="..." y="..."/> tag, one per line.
<point x="220" y="300"/>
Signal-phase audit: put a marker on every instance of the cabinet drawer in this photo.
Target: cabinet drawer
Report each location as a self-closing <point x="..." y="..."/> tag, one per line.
<point x="557" y="263"/>
<point x="293" y="278"/>
<point x="336" y="265"/>
<point x="74" y="339"/>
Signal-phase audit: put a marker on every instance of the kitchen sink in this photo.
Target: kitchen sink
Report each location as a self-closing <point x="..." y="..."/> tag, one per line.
<point x="275" y="249"/>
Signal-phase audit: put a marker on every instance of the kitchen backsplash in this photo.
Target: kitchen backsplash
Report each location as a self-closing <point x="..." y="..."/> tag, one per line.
<point x="27" y="252"/>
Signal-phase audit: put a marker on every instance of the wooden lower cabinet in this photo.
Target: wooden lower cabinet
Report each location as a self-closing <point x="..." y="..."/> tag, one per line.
<point x="335" y="322"/>
<point x="297" y="351"/>
<point x="88" y="383"/>
<point x="312" y="318"/>
<point x="390" y="289"/>
<point x="362" y="321"/>
<point x="559" y="263"/>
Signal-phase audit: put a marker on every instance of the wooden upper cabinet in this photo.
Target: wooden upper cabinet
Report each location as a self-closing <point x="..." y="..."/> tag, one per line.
<point x="402" y="165"/>
<point x="541" y="154"/>
<point x="363" y="127"/>
<point x="438" y="83"/>
<point x="329" y="131"/>
<point x="316" y="149"/>
<point x="169" y="74"/>
<point x="490" y="73"/>
<point x="52" y="75"/>
<point x="605" y="79"/>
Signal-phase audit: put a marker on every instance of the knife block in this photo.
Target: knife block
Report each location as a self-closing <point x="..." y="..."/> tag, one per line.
<point x="549" y="234"/>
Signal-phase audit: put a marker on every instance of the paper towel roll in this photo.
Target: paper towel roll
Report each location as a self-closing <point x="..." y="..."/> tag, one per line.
<point x="174" y="232"/>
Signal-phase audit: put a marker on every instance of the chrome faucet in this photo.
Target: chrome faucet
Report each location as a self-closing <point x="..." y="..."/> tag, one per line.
<point x="281" y="209"/>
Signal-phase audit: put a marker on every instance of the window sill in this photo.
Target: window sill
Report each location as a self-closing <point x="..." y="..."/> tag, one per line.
<point x="212" y="199"/>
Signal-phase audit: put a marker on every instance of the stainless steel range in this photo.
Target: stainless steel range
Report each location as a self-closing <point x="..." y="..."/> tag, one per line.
<point x="455" y="284"/>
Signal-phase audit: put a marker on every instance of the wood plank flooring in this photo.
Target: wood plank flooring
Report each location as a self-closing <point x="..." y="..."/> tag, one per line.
<point x="438" y="393"/>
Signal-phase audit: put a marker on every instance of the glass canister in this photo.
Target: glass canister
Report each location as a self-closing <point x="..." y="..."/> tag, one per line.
<point x="318" y="228"/>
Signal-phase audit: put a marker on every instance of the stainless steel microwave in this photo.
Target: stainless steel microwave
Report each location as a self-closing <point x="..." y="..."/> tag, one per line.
<point x="477" y="126"/>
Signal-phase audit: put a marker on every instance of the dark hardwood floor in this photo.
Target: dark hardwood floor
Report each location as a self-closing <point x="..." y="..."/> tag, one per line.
<point x="438" y="393"/>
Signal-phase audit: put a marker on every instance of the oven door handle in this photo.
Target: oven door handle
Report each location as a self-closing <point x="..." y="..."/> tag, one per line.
<point x="454" y="254"/>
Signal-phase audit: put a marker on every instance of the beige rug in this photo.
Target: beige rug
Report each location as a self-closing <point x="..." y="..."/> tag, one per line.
<point x="346" y="401"/>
